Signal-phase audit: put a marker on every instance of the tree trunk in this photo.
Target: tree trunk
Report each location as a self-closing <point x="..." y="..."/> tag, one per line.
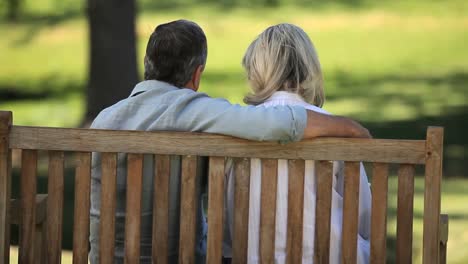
<point x="272" y="2"/>
<point x="112" y="63"/>
<point x="13" y="8"/>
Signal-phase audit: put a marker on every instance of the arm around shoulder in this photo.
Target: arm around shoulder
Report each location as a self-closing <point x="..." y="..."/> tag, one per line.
<point x="322" y="125"/>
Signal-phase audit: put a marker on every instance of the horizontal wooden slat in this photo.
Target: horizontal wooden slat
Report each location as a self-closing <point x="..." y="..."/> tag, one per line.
<point x="41" y="209"/>
<point x="183" y="143"/>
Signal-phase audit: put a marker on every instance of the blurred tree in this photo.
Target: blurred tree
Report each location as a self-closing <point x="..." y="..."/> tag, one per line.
<point x="271" y="2"/>
<point x="112" y="64"/>
<point x="13" y="8"/>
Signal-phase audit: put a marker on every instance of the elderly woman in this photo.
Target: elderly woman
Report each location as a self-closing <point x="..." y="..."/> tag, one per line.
<point x="283" y="69"/>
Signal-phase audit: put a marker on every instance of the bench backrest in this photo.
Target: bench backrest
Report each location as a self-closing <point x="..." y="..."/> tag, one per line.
<point x="380" y="152"/>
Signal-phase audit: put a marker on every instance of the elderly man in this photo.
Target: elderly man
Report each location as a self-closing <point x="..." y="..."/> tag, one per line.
<point x="168" y="100"/>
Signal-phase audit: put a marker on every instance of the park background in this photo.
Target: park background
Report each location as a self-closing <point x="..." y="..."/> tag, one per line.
<point x="396" y="66"/>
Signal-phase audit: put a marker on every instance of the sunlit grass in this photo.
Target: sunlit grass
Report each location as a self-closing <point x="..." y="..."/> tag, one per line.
<point x="454" y="198"/>
<point x="67" y="255"/>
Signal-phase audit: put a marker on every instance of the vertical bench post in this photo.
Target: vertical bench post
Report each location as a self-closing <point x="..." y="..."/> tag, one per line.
<point x="5" y="186"/>
<point x="433" y="177"/>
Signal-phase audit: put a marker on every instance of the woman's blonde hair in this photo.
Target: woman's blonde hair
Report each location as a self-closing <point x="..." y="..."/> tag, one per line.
<point x="282" y="58"/>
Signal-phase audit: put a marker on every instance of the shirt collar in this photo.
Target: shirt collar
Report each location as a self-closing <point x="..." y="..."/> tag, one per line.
<point x="151" y="84"/>
<point x="285" y="96"/>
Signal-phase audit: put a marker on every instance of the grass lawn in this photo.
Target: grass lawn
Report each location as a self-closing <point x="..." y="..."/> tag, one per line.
<point x="398" y="67"/>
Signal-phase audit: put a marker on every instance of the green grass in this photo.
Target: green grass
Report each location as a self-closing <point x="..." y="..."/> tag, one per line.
<point x="397" y="66"/>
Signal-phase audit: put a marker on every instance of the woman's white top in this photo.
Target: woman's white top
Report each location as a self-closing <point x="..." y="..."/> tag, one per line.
<point x="286" y="98"/>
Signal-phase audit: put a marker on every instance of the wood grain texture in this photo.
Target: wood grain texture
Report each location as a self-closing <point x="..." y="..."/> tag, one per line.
<point x="432" y="184"/>
<point x="296" y="172"/>
<point x="5" y="185"/>
<point x="215" y="210"/>
<point x="350" y="212"/>
<point x="55" y="206"/>
<point x="41" y="243"/>
<point x="378" y="239"/>
<point x="404" y="253"/>
<point x="268" y="210"/>
<point x="40" y="251"/>
<point x="183" y="143"/>
<point x="443" y="231"/>
<point x="161" y="209"/>
<point x="324" y="176"/>
<point x="41" y="210"/>
<point x="82" y="206"/>
<point x="241" y="210"/>
<point x="133" y="208"/>
<point x="108" y="205"/>
<point x="28" y="188"/>
<point x="188" y="210"/>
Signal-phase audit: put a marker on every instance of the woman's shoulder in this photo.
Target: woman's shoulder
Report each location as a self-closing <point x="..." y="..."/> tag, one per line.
<point x="288" y="98"/>
<point x="317" y="109"/>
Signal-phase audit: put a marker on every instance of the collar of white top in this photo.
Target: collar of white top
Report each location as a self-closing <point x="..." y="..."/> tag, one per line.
<point x="285" y="96"/>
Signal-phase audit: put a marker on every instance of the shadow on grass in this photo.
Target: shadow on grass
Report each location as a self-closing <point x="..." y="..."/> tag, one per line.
<point x="455" y="140"/>
<point x="50" y="86"/>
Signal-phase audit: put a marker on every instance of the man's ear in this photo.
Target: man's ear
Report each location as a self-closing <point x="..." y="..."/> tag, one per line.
<point x="197" y="76"/>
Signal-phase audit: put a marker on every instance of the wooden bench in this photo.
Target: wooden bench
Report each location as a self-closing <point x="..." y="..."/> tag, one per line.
<point x="380" y="152"/>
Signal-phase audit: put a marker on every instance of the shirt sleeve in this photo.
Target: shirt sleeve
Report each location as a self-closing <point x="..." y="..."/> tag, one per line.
<point x="198" y="112"/>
